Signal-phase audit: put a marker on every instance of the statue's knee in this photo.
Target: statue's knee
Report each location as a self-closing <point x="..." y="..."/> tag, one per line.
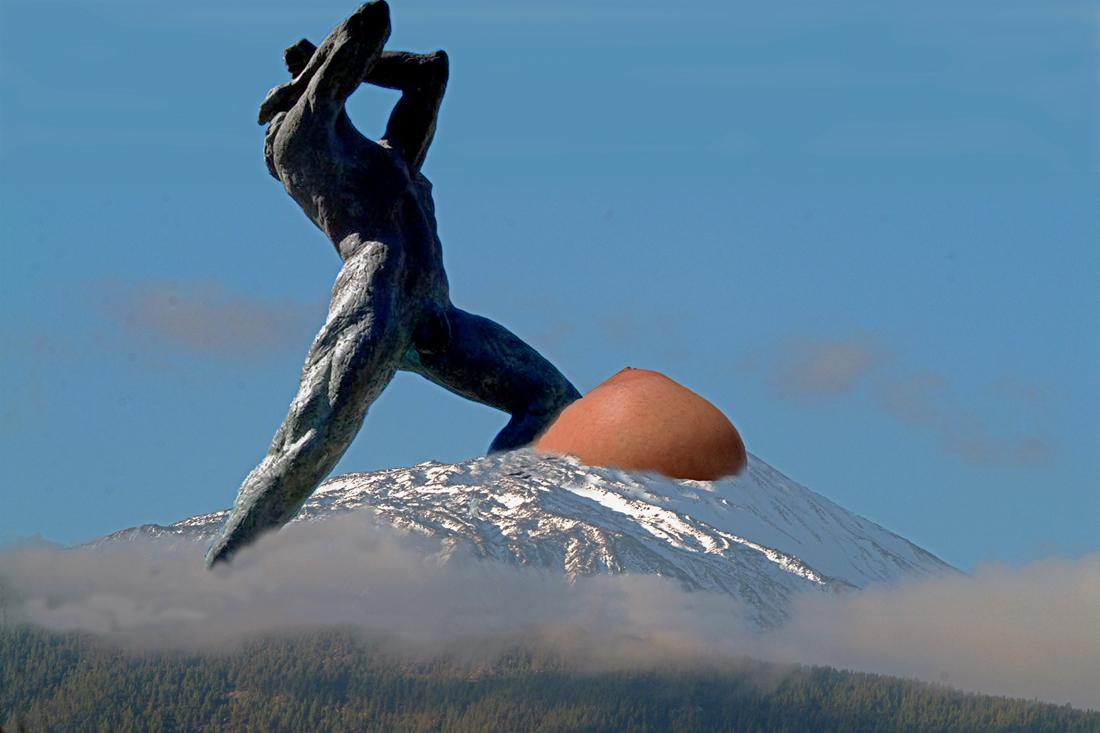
<point x="440" y="63"/>
<point x="374" y="13"/>
<point x="438" y="68"/>
<point x="370" y="20"/>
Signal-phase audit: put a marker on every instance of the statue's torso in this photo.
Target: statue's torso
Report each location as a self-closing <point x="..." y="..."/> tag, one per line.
<point x="358" y="191"/>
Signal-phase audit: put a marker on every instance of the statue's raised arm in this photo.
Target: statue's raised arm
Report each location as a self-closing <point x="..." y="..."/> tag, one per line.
<point x="391" y="307"/>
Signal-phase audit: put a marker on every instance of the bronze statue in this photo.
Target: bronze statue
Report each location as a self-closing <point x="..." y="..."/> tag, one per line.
<point x="390" y="308"/>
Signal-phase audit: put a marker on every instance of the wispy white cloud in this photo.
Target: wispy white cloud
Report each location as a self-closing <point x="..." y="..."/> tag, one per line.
<point x="649" y="333"/>
<point x="345" y="571"/>
<point x="206" y="318"/>
<point x="1009" y="426"/>
<point x="1032" y="632"/>
<point x="803" y="368"/>
<point x="556" y="333"/>
<point x="927" y="400"/>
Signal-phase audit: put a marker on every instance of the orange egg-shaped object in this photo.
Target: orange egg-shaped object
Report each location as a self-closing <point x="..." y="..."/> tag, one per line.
<point x="643" y="421"/>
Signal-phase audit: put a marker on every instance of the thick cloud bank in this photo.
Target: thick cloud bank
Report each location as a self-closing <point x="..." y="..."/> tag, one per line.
<point x="1032" y="633"/>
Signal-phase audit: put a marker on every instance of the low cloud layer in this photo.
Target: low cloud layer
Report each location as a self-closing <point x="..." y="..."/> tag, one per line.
<point x="1009" y="428"/>
<point x="1032" y="633"/>
<point x="207" y="319"/>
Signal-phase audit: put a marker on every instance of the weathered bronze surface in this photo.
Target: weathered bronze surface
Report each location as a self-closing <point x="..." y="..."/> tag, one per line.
<point x="391" y="307"/>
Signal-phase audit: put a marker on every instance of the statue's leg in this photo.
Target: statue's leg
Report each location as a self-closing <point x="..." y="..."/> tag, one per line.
<point x="487" y="363"/>
<point x="351" y="361"/>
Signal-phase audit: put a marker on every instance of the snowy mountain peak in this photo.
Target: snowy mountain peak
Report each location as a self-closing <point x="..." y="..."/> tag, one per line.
<point x="758" y="536"/>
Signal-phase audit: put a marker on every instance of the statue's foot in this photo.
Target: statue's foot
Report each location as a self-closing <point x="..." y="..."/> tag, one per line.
<point x="241" y="528"/>
<point x="227" y="542"/>
<point x="216" y="554"/>
<point x="297" y="56"/>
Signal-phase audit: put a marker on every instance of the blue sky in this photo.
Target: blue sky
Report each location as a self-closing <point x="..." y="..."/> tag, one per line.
<point x="866" y="231"/>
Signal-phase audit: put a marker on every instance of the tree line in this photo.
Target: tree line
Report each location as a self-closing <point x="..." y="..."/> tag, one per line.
<point x="333" y="681"/>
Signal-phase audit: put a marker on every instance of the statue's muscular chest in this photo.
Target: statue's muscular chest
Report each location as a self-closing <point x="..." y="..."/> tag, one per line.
<point x="383" y="203"/>
<point x="374" y="199"/>
<point x="352" y="187"/>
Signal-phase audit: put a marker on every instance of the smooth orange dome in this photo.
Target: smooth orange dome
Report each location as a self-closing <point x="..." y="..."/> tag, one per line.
<point x="644" y="421"/>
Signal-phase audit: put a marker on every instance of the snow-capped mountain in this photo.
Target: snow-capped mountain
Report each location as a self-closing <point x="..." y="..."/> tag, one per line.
<point x="758" y="536"/>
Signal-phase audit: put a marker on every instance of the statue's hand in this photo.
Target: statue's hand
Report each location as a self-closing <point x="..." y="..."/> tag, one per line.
<point x="279" y="99"/>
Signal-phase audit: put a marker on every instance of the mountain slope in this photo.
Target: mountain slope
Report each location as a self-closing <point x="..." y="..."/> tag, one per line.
<point x="759" y="536"/>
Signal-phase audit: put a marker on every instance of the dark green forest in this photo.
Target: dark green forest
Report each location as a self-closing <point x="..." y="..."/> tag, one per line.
<point x="332" y="681"/>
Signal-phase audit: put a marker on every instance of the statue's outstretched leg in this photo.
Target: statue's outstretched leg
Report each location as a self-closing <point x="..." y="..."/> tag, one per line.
<point x="487" y="363"/>
<point x="469" y="355"/>
<point x="351" y="361"/>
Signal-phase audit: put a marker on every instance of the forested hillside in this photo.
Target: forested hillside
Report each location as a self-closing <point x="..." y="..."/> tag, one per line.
<point x="331" y="682"/>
